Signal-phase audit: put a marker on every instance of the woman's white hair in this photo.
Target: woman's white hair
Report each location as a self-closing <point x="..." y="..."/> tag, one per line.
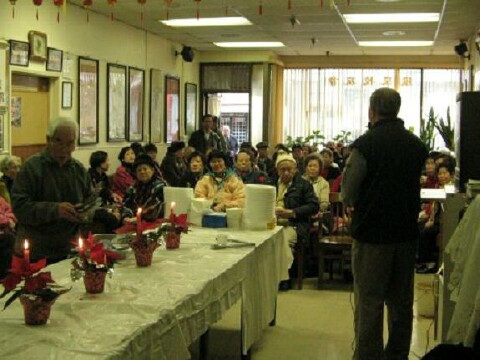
<point x="7" y="160"/>
<point x="61" y="122"/>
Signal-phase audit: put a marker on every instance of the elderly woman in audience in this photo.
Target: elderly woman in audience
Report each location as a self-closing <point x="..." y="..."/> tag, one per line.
<point x="197" y="164"/>
<point x="313" y="167"/>
<point x="220" y="183"/>
<point x="124" y="176"/>
<point x="429" y="180"/>
<point x="9" y="166"/>
<point x="429" y="223"/>
<point x="146" y="193"/>
<point x="244" y="167"/>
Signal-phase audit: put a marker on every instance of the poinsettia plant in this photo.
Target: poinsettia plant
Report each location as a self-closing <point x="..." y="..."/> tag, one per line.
<point x="35" y="283"/>
<point x="175" y="223"/>
<point x="93" y="256"/>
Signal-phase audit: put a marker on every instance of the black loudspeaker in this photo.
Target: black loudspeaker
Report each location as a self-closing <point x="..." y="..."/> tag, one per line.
<point x="461" y="49"/>
<point x="187" y="53"/>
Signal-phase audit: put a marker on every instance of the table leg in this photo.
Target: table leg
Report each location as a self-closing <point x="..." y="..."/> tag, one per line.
<point x="321" y="266"/>
<point x="274" y="320"/>
<point x="204" y="345"/>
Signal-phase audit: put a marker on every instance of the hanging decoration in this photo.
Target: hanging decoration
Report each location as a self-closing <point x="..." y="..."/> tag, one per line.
<point x="58" y="4"/>
<point x="289" y="6"/>
<point x="37" y="3"/>
<point x="168" y="2"/>
<point x="112" y="4"/>
<point x="260" y="8"/>
<point x="198" y="8"/>
<point x="142" y="2"/>
<point x="13" y="2"/>
<point x="86" y="5"/>
<point x="321" y="4"/>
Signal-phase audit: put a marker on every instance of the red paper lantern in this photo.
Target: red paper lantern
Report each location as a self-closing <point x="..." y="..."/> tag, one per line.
<point x="13" y="2"/>
<point x="198" y="8"/>
<point x="289" y="6"/>
<point x="37" y="3"/>
<point x="58" y="3"/>
<point x="142" y="2"/>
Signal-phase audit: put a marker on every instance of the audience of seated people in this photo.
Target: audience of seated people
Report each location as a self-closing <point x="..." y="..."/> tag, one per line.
<point x="9" y="166"/>
<point x="146" y="193"/>
<point x="330" y="170"/>
<point x="124" y="176"/>
<point x="220" y="183"/>
<point x="152" y="151"/>
<point x="196" y="164"/>
<point x="173" y="164"/>
<point x="245" y="168"/>
<point x="429" y="222"/>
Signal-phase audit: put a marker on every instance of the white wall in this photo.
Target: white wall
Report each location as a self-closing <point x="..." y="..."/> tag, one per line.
<point x="102" y="39"/>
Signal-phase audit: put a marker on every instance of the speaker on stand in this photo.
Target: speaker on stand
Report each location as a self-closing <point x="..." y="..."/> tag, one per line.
<point x="186" y="53"/>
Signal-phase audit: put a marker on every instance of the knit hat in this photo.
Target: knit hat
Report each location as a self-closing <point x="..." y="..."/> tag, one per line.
<point x="283" y="156"/>
<point x="143" y="159"/>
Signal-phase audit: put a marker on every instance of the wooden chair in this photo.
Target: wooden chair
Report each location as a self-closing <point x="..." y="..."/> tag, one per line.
<point x="336" y="245"/>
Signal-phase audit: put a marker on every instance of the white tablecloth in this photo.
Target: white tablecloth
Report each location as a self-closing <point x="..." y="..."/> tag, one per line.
<point x="157" y="312"/>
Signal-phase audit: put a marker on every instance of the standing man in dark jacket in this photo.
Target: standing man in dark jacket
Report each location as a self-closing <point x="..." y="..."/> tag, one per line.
<point x="205" y="139"/>
<point x="381" y="189"/>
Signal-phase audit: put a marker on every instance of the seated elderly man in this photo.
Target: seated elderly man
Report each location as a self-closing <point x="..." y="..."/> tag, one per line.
<point x="296" y="203"/>
<point x="49" y="194"/>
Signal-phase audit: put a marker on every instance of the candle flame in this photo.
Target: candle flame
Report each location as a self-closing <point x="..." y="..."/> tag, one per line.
<point x="172" y="205"/>
<point x="139" y="211"/>
<point x="26" y="245"/>
<point x="80" y="243"/>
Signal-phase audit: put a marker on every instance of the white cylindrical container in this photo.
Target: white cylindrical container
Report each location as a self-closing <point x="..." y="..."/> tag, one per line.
<point x="234" y="218"/>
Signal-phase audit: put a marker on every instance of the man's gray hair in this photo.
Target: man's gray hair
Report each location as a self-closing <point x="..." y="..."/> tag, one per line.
<point x="385" y="102"/>
<point x="61" y="122"/>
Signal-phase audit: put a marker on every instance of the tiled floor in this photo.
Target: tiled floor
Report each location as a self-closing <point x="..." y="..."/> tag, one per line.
<point x="314" y="325"/>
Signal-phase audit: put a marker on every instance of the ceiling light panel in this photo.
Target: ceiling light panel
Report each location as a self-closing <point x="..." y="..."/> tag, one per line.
<point x="391" y="18"/>
<point x="250" y="44"/>
<point x="218" y="21"/>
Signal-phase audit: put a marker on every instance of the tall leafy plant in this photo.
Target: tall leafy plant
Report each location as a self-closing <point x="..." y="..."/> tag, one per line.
<point x="427" y="130"/>
<point x="446" y="131"/>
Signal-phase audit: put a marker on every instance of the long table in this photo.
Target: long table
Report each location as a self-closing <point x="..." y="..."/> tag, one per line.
<point x="157" y="312"/>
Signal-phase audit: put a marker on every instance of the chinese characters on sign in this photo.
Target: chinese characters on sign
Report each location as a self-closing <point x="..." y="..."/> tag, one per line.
<point x="370" y="81"/>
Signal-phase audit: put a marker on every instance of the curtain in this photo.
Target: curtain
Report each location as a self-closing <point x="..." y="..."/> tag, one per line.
<point x="336" y="100"/>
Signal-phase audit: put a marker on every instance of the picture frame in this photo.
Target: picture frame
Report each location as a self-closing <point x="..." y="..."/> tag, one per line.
<point x="136" y="86"/>
<point x="172" y="108"/>
<point x="19" y="53"/>
<point x="67" y="94"/>
<point x="54" y="59"/>
<point x="87" y="101"/>
<point x="156" y="106"/>
<point x="190" y="108"/>
<point x="38" y="45"/>
<point x="116" y="102"/>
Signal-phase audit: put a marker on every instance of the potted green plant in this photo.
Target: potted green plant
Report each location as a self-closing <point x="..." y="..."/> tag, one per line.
<point x="427" y="130"/>
<point x="446" y="131"/>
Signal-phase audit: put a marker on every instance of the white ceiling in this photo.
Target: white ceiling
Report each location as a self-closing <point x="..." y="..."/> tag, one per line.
<point x="459" y="20"/>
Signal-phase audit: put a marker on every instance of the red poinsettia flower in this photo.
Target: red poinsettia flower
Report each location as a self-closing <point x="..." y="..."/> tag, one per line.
<point x="21" y="270"/>
<point x="96" y="253"/>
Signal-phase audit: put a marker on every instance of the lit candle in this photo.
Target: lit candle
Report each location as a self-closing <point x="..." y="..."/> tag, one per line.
<point x="81" y="249"/>
<point x="172" y="214"/>
<point x="139" y="223"/>
<point x="26" y="251"/>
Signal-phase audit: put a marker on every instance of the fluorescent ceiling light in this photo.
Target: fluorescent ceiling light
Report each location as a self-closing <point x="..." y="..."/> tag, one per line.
<point x="395" y="43"/>
<point x="391" y="18"/>
<point x="217" y="21"/>
<point x="249" y="44"/>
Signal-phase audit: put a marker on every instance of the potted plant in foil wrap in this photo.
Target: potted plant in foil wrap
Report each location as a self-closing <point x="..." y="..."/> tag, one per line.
<point x="37" y="293"/>
<point x="93" y="263"/>
<point x="171" y="230"/>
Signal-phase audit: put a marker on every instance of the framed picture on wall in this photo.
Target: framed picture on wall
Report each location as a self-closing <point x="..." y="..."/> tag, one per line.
<point x="172" y="108"/>
<point x="136" y="86"/>
<point x="156" y="101"/>
<point x="88" y="100"/>
<point x="54" y="59"/>
<point x="116" y="102"/>
<point x="190" y="108"/>
<point x="38" y="45"/>
<point x="19" y="53"/>
<point x="67" y="92"/>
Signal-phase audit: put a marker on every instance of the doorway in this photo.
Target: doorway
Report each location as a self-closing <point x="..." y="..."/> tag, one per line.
<point x="30" y="111"/>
